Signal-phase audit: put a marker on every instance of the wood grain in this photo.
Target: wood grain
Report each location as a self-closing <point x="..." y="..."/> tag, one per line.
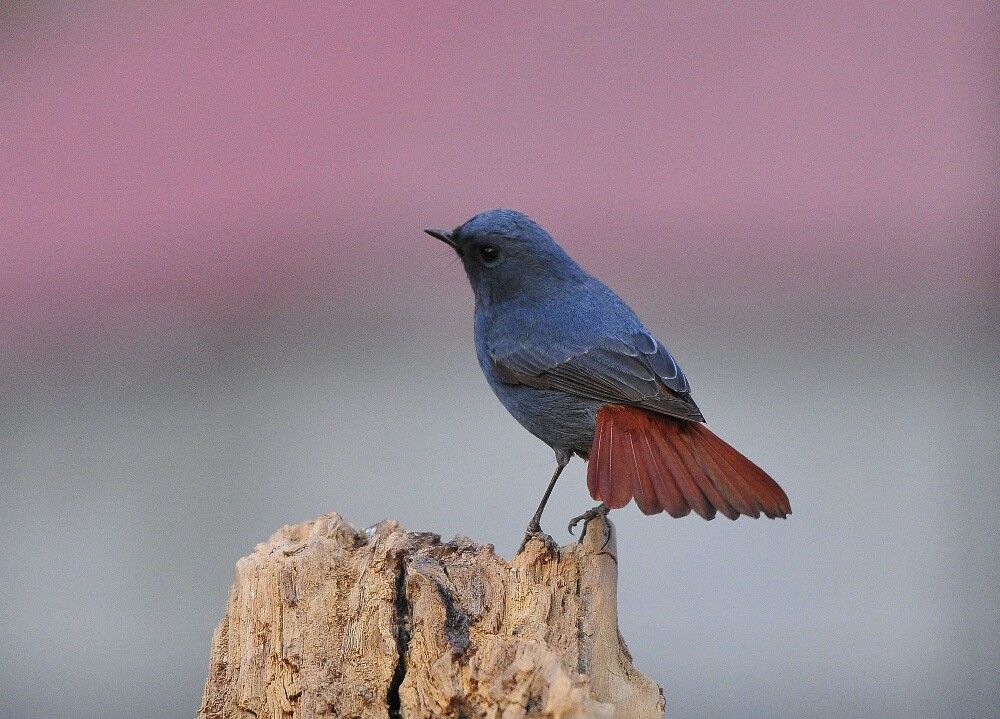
<point x="324" y="620"/>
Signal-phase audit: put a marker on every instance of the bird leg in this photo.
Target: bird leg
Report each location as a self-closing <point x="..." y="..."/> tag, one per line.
<point x="534" y="530"/>
<point x="601" y="510"/>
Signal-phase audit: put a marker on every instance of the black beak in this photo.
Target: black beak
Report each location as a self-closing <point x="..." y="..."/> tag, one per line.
<point x="443" y="235"/>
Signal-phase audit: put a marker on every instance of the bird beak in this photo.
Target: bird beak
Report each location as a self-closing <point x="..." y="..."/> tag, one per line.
<point x="443" y="235"/>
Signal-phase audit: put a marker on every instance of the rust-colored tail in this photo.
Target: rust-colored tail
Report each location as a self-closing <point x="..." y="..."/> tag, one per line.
<point x="675" y="465"/>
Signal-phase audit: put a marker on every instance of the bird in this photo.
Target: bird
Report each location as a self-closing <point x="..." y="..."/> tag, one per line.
<point x="575" y="366"/>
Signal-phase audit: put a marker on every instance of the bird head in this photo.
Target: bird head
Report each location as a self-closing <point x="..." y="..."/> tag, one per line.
<point x="507" y="254"/>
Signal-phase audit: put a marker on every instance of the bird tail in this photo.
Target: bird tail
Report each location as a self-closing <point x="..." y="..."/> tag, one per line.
<point x="675" y="465"/>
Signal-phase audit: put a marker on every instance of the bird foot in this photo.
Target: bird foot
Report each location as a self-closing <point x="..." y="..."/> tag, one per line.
<point x="535" y="532"/>
<point x="601" y="510"/>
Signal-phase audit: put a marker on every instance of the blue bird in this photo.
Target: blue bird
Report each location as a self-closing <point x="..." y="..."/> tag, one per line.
<point x="575" y="366"/>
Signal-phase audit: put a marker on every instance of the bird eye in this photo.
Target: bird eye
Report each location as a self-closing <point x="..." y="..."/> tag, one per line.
<point x="488" y="253"/>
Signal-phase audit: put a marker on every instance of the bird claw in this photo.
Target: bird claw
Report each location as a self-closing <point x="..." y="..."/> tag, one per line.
<point x="537" y="533"/>
<point x="601" y="510"/>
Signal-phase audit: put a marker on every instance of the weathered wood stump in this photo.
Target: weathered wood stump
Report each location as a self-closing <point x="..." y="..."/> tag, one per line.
<point x="327" y="621"/>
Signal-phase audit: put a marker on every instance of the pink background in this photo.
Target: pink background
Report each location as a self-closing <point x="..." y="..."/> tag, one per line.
<point x="210" y="157"/>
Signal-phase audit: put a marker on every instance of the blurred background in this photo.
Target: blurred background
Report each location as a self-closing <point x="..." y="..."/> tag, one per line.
<point x="220" y="315"/>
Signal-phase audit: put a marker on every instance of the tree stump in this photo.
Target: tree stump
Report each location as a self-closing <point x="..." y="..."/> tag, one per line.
<point x="327" y="621"/>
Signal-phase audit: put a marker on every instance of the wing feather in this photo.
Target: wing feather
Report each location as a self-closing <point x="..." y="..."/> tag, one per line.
<point x="640" y="372"/>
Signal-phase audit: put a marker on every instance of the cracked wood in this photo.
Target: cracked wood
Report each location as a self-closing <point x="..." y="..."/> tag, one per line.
<point x="324" y="620"/>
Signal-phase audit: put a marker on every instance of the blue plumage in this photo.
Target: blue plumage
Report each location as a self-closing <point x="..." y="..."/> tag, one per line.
<point x="556" y="344"/>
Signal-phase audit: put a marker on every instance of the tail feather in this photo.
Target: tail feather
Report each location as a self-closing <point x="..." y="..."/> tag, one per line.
<point x="599" y="459"/>
<point x="644" y="479"/>
<point x="676" y="466"/>
<point x="668" y="494"/>
<point x="609" y="462"/>
<point x="768" y="496"/>
<point x="740" y="499"/>
<point x="619" y="459"/>
<point x="699" y="477"/>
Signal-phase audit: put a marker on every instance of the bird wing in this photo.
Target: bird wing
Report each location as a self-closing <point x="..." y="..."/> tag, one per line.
<point x="637" y="371"/>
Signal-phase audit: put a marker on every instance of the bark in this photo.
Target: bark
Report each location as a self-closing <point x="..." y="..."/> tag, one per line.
<point x="324" y="620"/>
